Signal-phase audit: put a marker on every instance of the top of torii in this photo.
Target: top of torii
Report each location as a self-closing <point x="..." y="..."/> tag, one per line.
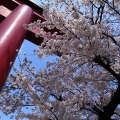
<point x="7" y="6"/>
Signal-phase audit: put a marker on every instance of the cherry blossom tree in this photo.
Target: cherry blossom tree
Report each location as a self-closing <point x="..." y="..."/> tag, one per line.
<point x="84" y="82"/>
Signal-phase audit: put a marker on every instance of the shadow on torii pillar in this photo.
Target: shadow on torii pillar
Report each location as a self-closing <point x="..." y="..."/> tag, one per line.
<point x="13" y="14"/>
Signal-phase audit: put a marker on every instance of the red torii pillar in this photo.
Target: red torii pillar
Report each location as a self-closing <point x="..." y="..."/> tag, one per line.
<point x="12" y="34"/>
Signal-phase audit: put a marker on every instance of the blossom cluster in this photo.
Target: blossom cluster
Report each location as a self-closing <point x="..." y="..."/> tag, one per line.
<point x="82" y="81"/>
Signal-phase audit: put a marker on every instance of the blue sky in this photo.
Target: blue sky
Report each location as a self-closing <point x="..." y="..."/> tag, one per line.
<point x="27" y="48"/>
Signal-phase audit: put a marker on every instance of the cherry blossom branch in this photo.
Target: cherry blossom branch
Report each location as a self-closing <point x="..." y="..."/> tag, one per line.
<point x="47" y="108"/>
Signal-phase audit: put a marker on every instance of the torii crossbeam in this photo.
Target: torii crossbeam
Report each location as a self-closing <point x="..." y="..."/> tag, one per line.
<point x="13" y="14"/>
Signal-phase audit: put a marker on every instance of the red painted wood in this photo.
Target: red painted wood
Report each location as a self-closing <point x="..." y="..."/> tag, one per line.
<point x="12" y="35"/>
<point x="38" y="14"/>
<point x="12" y="4"/>
<point x="4" y="11"/>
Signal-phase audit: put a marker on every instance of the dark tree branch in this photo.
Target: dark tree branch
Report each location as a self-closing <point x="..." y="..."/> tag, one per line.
<point x="112" y="38"/>
<point x="97" y="110"/>
<point x="92" y="20"/>
<point x="101" y="14"/>
<point x="111" y="7"/>
<point x="93" y="4"/>
<point x="109" y="109"/>
<point x="88" y="109"/>
<point x="58" y="98"/>
<point x="116" y="114"/>
<point x="98" y="59"/>
<point x="47" y="108"/>
<point x="113" y="2"/>
<point x="114" y="102"/>
<point x="27" y="105"/>
<point x="98" y="12"/>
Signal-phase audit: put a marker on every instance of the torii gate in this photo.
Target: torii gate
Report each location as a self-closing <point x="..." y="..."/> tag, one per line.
<point x="13" y="14"/>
